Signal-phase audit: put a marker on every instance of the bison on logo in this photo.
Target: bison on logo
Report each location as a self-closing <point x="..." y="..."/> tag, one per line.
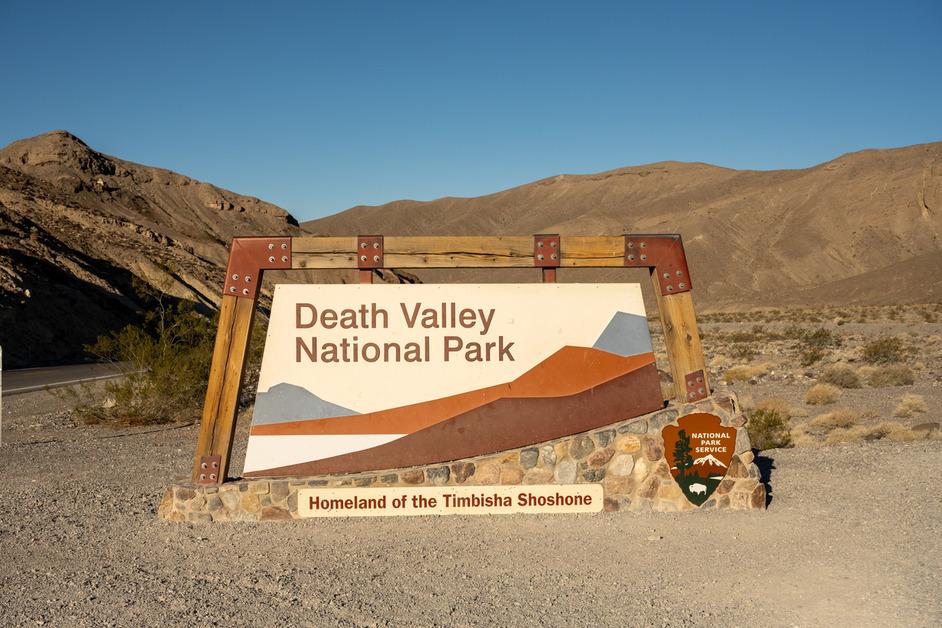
<point x="698" y="450"/>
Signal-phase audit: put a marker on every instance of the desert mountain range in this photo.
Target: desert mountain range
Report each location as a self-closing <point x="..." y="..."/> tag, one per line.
<point x="865" y="228"/>
<point x="77" y="226"/>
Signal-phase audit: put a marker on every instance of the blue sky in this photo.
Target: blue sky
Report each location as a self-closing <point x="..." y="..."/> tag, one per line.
<point x="320" y="106"/>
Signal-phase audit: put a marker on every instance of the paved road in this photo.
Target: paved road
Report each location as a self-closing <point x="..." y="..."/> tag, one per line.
<point x="27" y="380"/>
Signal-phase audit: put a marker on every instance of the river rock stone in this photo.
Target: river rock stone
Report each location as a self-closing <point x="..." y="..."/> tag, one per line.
<point x="581" y="447"/>
<point x="511" y="474"/>
<point x="600" y="457"/>
<point x="250" y="503"/>
<point x="273" y="513"/>
<point x="437" y="476"/>
<point x="278" y="490"/>
<point x="230" y="499"/>
<point x="413" y="476"/>
<point x="260" y="487"/>
<point x="565" y="472"/>
<point x="487" y="473"/>
<point x="757" y="498"/>
<point x="538" y="475"/>
<point x="548" y="454"/>
<point x="736" y="469"/>
<point x="653" y="449"/>
<point x="461" y="471"/>
<point x="742" y="441"/>
<point x="638" y="426"/>
<point x="183" y="493"/>
<point x="661" y="419"/>
<point x="529" y="457"/>
<point x="605" y="437"/>
<point x="622" y="464"/>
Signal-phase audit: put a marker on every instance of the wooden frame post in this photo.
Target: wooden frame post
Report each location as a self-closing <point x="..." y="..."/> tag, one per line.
<point x="248" y="258"/>
<point x="662" y="254"/>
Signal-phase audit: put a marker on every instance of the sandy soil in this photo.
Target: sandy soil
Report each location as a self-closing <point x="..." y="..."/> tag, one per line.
<point x="851" y="537"/>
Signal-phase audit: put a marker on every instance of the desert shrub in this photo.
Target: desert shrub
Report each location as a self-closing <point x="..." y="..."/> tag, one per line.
<point x="814" y="345"/>
<point x="745" y="372"/>
<point x="165" y="363"/>
<point x="910" y="405"/>
<point x="841" y="375"/>
<point x="884" y="350"/>
<point x="891" y="375"/>
<point x="742" y="351"/>
<point x="820" y="338"/>
<point x="811" y="355"/>
<point x="822" y="394"/>
<point x="768" y="429"/>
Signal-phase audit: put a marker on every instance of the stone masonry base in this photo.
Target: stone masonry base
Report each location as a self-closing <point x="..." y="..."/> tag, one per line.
<point x="626" y="458"/>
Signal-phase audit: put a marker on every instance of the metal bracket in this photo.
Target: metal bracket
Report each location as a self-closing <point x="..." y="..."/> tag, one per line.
<point x="248" y="257"/>
<point x="664" y="254"/>
<point x="370" y="253"/>
<point x="546" y="251"/>
<point x="209" y="469"/>
<point x="696" y="386"/>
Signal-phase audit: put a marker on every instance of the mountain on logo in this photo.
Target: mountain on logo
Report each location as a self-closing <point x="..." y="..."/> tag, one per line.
<point x="287" y="402"/>
<point x="709" y="459"/>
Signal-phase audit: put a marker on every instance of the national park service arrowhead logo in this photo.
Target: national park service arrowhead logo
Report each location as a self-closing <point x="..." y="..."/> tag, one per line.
<point x="698" y="450"/>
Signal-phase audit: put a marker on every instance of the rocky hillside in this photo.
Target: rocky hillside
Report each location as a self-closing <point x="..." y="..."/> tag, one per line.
<point x="77" y="226"/>
<point x="865" y="228"/>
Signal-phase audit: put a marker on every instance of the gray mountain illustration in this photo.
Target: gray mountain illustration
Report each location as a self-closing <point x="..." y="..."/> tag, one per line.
<point x="626" y="334"/>
<point x="287" y="402"/>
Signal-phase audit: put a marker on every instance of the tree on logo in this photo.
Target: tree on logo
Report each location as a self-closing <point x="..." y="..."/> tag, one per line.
<point x="682" y="457"/>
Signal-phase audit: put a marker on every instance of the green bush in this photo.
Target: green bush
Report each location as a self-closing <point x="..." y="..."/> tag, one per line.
<point x="768" y="429"/>
<point x="165" y="365"/>
<point x="884" y="350"/>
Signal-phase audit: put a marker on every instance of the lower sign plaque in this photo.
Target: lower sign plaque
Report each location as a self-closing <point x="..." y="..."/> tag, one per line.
<point x="449" y="500"/>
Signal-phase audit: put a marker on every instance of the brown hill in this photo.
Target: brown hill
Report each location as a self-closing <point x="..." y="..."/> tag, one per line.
<point x="569" y="371"/>
<point x="863" y="228"/>
<point x="76" y="227"/>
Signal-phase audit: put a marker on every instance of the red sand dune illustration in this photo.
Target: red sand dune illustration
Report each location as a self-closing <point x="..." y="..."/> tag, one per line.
<point x="569" y="371"/>
<point x="503" y="424"/>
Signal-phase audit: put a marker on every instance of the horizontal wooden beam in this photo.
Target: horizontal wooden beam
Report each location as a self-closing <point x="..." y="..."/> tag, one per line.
<point x="458" y="252"/>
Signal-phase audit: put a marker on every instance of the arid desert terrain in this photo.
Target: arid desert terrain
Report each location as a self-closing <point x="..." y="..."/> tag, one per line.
<point x="820" y="304"/>
<point x="851" y="535"/>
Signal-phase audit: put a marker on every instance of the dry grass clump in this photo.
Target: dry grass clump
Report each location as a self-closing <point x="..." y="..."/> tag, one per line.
<point x="822" y="394"/>
<point x="838" y="418"/>
<point x="815" y="432"/>
<point x="745" y="372"/>
<point x="910" y="405"/>
<point x="888" y="430"/>
<point x="777" y="404"/>
<point x="842" y="375"/>
<point x="891" y="375"/>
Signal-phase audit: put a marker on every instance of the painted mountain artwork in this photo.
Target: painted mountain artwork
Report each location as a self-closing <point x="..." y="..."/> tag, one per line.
<point x="595" y="368"/>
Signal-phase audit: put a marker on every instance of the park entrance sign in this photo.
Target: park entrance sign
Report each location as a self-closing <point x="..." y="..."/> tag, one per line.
<point x="394" y="399"/>
<point x="368" y="377"/>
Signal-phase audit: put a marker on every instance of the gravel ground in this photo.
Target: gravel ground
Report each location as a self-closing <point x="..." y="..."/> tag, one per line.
<point x="851" y="537"/>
